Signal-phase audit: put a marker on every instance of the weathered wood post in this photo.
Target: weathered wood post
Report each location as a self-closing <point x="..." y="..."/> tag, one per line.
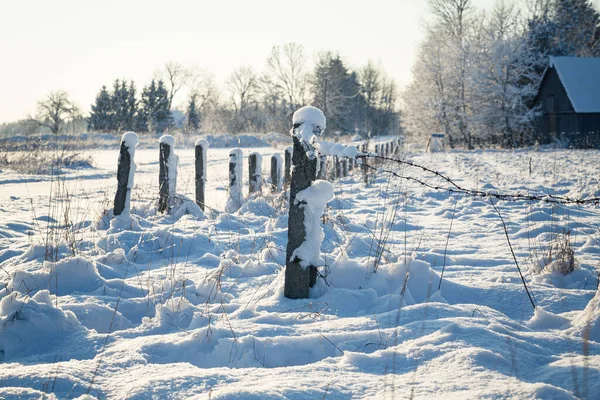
<point x="377" y="152"/>
<point x="387" y="149"/>
<point x="365" y="170"/>
<point x="287" y="154"/>
<point x="125" y="173"/>
<point x="344" y="163"/>
<point x="307" y="202"/>
<point x="167" y="175"/>
<point x="322" y="167"/>
<point x="254" y="172"/>
<point x="331" y="168"/>
<point x="201" y="149"/>
<point x="276" y="172"/>
<point x="235" y="196"/>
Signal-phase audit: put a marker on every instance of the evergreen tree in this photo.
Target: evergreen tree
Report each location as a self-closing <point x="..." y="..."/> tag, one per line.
<point x="148" y="104"/>
<point x="577" y="28"/>
<point x="193" y="115"/>
<point x="565" y="28"/>
<point x="161" y="117"/>
<point x="131" y="108"/>
<point x="101" y="114"/>
<point x="154" y="114"/>
<point x="336" y="91"/>
<point x="119" y="105"/>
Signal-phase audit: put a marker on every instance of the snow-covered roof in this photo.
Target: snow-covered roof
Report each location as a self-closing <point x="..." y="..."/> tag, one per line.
<point x="581" y="78"/>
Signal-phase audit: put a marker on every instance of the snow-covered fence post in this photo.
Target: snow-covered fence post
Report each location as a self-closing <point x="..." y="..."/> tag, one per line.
<point x="331" y="168"/>
<point x="344" y="163"/>
<point x="307" y="203"/>
<point x="167" y="175"/>
<point x="387" y="149"/>
<point x="125" y="173"/>
<point x="364" y="168"/>
<point x="322" y="167"/>
<point x="397" y="146"/>
<point x="338" y="167"/>
<point x="201" y="148"/>
<point x="235" y="196"/>
<point x="254" y="172"/>
<point x="276" y="172"/>
<point x="287" y="155"/>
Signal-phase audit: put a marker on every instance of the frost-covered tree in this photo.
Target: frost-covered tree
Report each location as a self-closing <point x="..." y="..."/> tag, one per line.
<point x="474" y="77"/>
<point x="454" y="20"/>
<point x="427" y="99"/>
<point x="505" y="79"/>
<point x="564" y="28"/>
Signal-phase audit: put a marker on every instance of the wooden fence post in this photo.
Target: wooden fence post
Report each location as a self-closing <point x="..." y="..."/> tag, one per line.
<point x="125" y="173"/>
<point x="287" y="154"/>
<point x="254" y="172"/>
<point x="167" y="176"/>
<point x="236" y="170"/>
<point x="201" y="153"/>
<point x="276" y="172"/>
<point x="322" y="167"/>
<point x="365" y="171"/>
<point x="299" y="279"/>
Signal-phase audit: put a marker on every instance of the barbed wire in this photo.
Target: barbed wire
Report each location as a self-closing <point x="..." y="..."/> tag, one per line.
<point x="456" y="188"/>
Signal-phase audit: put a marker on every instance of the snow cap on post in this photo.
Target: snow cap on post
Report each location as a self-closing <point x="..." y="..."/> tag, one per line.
<point x="202" y="142"/>
<point x="308" y="122"/>
<point x="167" y="139"/>
<point x="130" y="139"/>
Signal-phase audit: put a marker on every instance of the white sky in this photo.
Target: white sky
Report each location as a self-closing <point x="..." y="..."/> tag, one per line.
<point x="79" y="45"/>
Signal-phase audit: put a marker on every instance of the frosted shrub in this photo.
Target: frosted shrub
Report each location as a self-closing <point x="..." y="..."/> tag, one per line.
<point x="561" y="256"/>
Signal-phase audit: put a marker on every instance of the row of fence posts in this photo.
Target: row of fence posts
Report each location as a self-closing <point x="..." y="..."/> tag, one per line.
<point x="280" y="173"/>
<point x="330" y="168"/>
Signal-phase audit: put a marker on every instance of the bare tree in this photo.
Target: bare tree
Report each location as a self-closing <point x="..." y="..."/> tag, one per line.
<point x="202" y="88"/>
<point x="243" y="87"/>
<point x="55" y="111"/>
<point x="175" y="76"/>
<point x="286" y="73"/>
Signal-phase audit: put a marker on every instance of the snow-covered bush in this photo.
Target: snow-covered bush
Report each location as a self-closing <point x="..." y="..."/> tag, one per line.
<point x="561" y="256"/>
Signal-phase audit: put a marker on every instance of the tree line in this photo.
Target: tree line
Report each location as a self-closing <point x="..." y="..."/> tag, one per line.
<point x="477" y="73"/>
<point x="362" y="101"/>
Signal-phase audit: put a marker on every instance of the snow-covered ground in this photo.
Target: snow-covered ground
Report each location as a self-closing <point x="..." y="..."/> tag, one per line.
<point x="192" y="305"/>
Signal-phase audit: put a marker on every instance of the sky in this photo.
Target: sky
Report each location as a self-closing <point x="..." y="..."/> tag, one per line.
<point x="78" y="46"/>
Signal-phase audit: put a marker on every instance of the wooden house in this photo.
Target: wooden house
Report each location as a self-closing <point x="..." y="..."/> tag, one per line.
<point x="569" y="101"/>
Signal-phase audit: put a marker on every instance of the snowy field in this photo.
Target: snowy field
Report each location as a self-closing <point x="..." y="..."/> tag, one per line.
<point x="193" y="306"/>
